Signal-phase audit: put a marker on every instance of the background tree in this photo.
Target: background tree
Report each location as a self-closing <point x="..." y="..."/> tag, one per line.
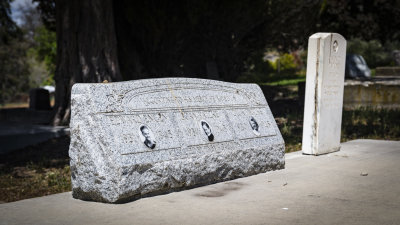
<point x="45" y="51"/>
<point x="371" y="27"/>
<point x="14" y="70"/>
<point x="364" y="19"/>
<point x="86" y="49"/>
<point x="8" y="28"/>
<point x="146" y="39"/>
<point x="41" y="44"/>
<point x="181" y="38"/>
<point x="125" y="40"/>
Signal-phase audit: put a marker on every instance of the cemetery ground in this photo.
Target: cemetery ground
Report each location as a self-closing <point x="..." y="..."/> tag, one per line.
<point x="357" y="185"/>
<point x="43" y="169"/>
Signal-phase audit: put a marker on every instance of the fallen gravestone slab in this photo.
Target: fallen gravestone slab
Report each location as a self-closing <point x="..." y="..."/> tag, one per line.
<point x="140" y="138"/>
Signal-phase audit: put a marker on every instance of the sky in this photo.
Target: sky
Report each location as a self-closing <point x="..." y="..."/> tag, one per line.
<point x="15" y="13"/>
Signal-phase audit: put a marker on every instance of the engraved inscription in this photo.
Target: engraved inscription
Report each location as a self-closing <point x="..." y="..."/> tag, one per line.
<point x="196" y="120"/>
<point x="133" y="132"/>
<point x="191" y="126"/>
<point x="183" y="98"/>
<point x="334" y="62"/>
<point x="240" y="123"/>
<point x="335" y="46"/>
<point x="332" y="83"/>
<point x="187" y="152"/>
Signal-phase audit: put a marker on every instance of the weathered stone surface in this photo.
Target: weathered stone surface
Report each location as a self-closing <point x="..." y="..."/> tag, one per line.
<point x="378" y="93"/>
<point x="388" y="71"/>
<point x="324" y="93"/>
<point x="138" y="138"/>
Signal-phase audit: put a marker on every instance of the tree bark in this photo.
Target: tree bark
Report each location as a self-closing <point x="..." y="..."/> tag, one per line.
<point x="86" y="49"/>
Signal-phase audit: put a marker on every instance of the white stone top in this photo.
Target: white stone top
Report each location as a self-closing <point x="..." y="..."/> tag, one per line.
<point x="324" y="93"/>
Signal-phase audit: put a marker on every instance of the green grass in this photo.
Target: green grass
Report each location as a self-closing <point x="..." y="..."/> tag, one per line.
<point x="373" y="72"/>
<point x="285" y="82"/>
<point x="273" y="79"/>
<point x="14" y="105"/>
<point x="362" y="123"/>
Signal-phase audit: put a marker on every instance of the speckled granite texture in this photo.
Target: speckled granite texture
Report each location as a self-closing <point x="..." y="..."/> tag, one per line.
<point x="140" y="138"/>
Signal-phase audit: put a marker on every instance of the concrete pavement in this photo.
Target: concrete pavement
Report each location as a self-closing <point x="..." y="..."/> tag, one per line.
<point x="358" y="185"/>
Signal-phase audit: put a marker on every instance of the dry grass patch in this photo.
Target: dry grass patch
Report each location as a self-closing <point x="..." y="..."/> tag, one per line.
<point x="35" y="171"/>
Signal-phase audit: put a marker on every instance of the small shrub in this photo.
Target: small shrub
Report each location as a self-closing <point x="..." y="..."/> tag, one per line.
<point x="286" y="63"/>
<point x="374" y="53"/>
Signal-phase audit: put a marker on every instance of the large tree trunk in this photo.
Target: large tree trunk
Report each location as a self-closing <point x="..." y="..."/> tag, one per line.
<point x="86" y="49"/>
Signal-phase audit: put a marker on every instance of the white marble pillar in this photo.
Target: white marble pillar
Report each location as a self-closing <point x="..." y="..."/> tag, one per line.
<point x="324" y="93"/>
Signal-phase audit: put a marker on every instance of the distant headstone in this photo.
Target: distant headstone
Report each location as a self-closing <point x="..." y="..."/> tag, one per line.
<point x="396" y="57"/>
<point x="212" y="70"/>
<point x="387" y="71"/>
<point x="324" y="93"/>
<point x="39" y="99"/>
<point x="139" y="138"/>
<point x="356" y="67"/>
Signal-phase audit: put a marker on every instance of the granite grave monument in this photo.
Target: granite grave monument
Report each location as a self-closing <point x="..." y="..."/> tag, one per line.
<point x="140" y="138"/>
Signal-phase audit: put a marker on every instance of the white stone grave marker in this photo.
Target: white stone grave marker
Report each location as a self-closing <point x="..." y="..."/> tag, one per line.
<point x="324" y="93"/>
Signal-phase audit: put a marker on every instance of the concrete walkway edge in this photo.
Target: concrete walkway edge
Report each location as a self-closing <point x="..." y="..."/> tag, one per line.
<point x="358" y="185"/>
